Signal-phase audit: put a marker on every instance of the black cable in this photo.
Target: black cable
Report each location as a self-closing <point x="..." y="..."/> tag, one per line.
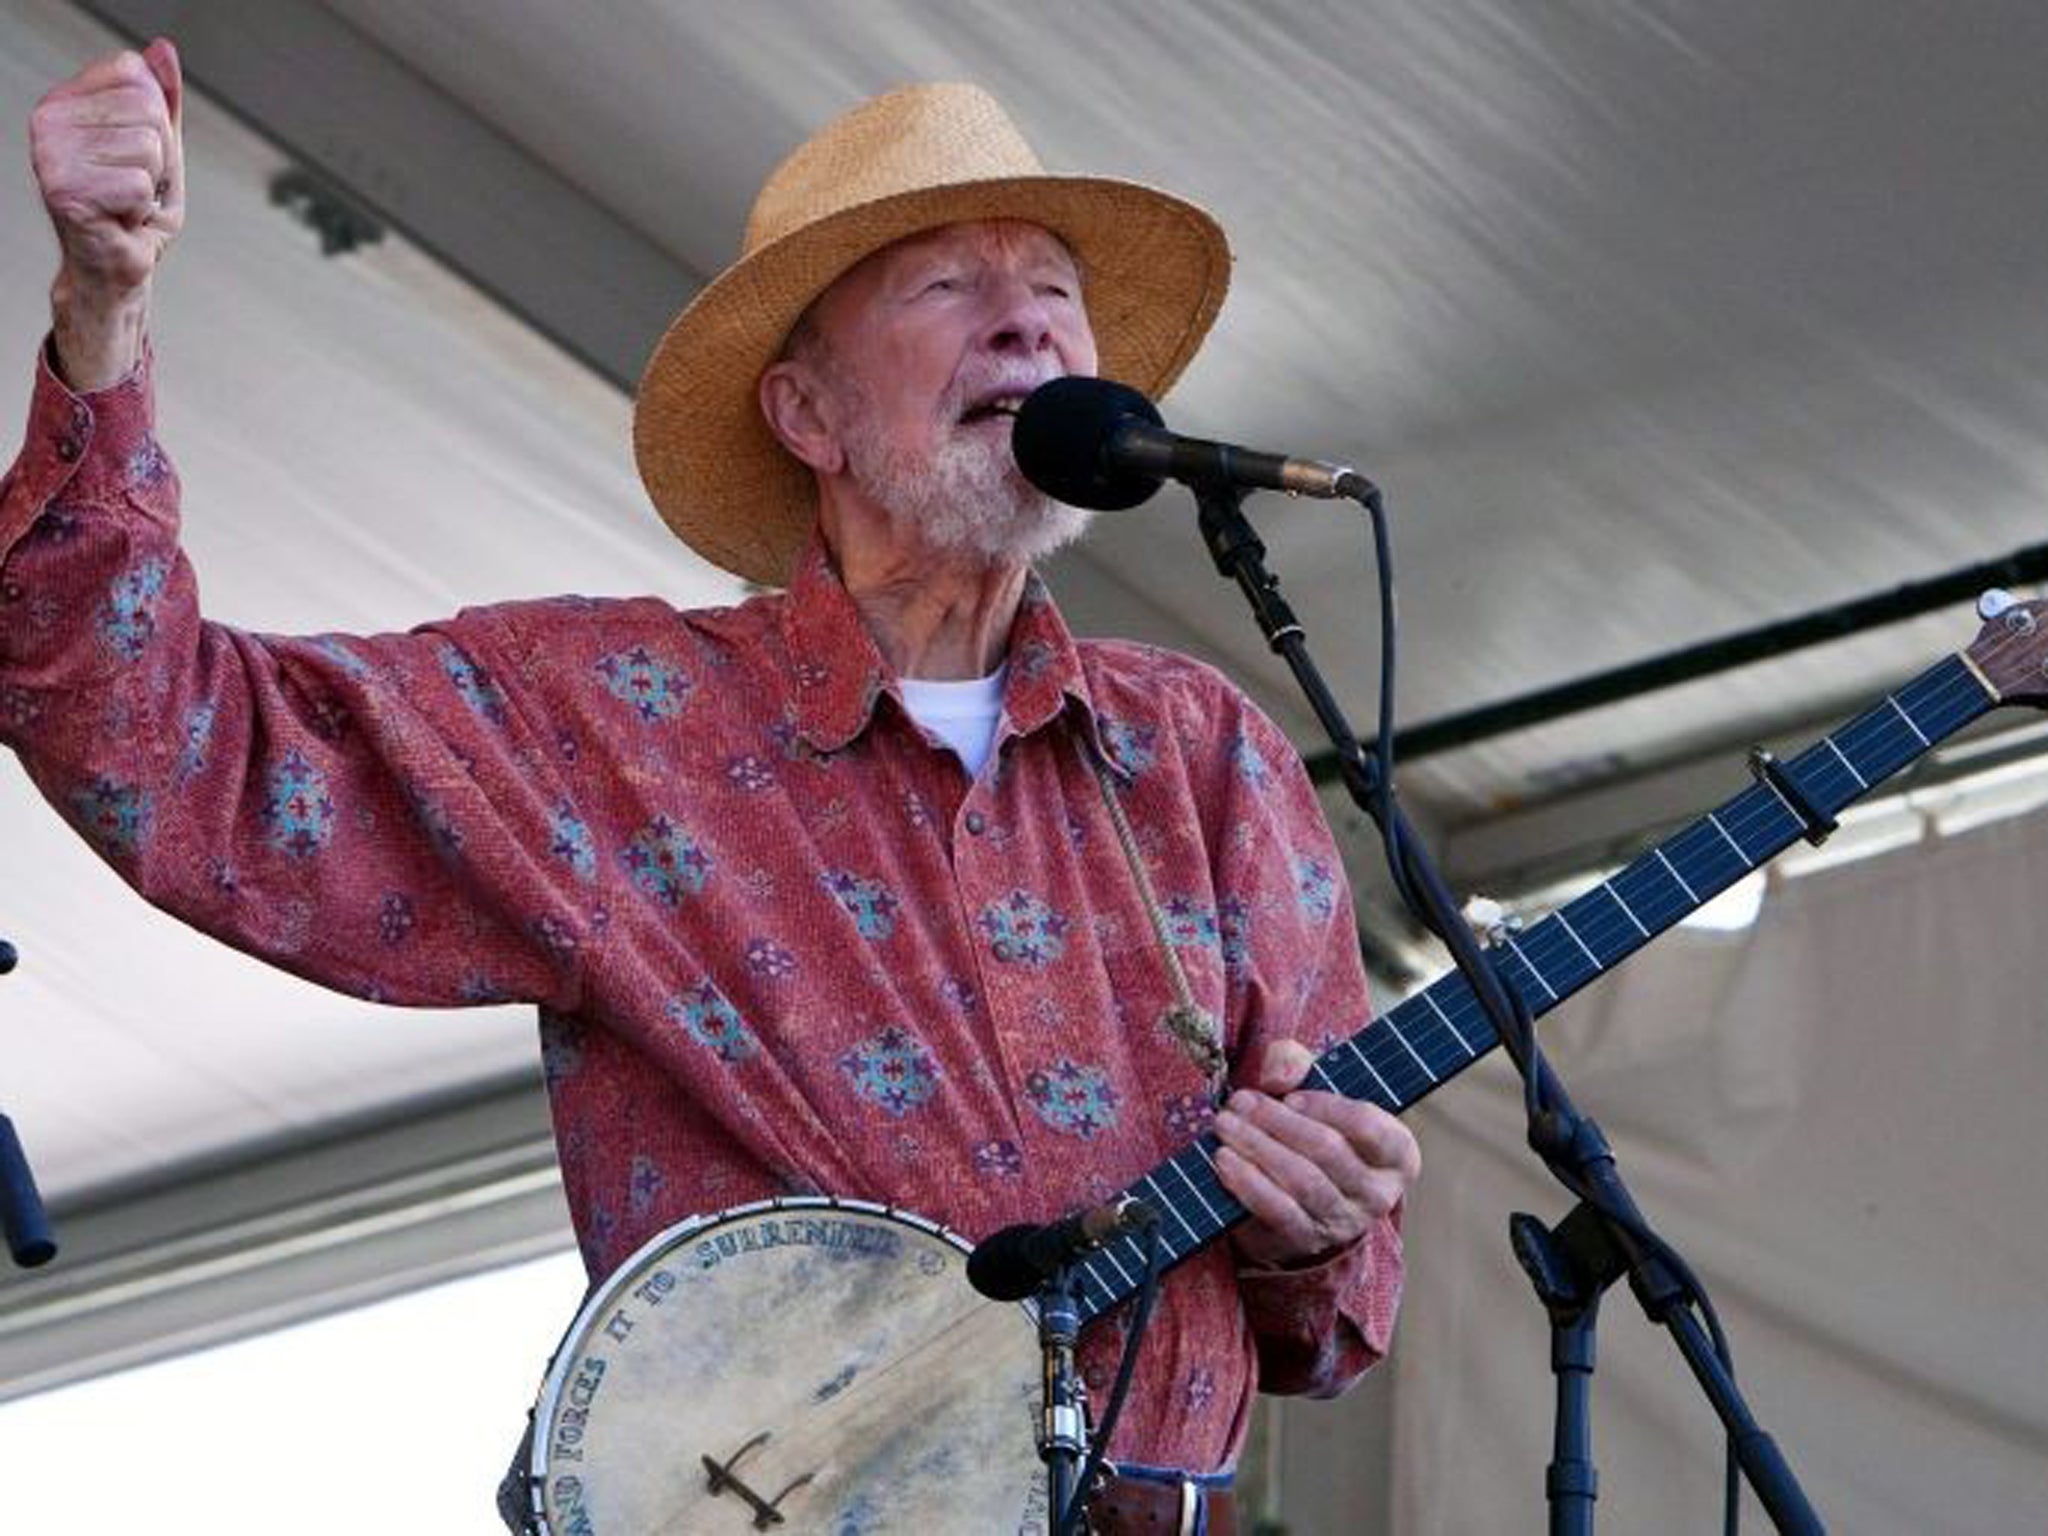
<point x="1420" y="888"/>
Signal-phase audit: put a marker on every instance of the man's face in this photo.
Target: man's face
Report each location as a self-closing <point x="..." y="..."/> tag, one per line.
<point x="926" y="349"/>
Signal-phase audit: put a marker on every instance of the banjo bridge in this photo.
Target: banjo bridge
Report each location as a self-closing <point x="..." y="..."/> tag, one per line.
<point x="720" y="1477"/>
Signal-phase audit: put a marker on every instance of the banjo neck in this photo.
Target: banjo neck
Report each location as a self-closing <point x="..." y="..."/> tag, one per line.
<point x="1406" y="1053"/>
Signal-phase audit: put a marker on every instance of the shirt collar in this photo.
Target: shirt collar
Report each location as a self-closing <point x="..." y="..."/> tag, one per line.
<point x="838" y="674"/>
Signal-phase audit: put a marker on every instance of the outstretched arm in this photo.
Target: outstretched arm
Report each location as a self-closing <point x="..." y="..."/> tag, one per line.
<point x="362" y="811"/>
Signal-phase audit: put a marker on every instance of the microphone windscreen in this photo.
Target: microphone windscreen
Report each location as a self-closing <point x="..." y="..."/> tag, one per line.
<point x="1001" y="1266"/>
<point x="1061" y="439"/>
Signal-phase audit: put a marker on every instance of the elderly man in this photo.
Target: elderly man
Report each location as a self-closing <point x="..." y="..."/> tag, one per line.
<point x="882" y="886"/>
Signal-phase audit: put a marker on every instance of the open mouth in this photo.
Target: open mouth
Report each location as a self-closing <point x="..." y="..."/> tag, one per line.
<point x="1001" y="406"/>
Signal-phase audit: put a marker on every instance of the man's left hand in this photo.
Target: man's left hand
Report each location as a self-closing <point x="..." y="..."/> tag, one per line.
<point x="1315" y="1170"/>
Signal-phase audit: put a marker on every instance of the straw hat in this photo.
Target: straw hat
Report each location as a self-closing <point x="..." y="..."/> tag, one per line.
<point x="1154" y="270"/>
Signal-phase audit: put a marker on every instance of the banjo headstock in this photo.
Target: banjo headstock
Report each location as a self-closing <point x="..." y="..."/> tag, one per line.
<point x="2011" y="650"/>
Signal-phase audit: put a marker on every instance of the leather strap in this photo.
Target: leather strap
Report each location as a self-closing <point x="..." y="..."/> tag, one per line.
<point x="1130" y="1507"/>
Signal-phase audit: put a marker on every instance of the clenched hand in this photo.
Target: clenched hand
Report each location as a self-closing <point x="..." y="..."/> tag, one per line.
<point x="110" y="165"/>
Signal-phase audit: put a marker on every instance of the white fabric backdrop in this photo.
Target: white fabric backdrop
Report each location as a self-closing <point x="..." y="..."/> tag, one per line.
<point x="1837" y="1116"/>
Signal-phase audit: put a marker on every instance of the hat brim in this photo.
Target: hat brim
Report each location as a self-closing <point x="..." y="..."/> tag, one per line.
<point x="1154" y="270"/>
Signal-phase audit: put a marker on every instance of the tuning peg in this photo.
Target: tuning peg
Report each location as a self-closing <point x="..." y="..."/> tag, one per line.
<point x="1993" y="601"/>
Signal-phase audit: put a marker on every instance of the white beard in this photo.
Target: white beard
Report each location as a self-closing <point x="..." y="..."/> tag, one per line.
<point x="967" y="498"/>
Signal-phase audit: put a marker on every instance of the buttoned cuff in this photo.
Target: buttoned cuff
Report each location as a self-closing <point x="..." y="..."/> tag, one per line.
<point x="1331" y="1273"/>
<point x="82" y="448"/>
<point x="1320" y="1327"/>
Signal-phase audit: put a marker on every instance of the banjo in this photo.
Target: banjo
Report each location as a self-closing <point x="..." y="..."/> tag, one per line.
<point x="822" y="1365"/>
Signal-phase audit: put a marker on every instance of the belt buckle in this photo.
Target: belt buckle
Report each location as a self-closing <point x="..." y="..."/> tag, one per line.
<point x="1190" y="1507"/>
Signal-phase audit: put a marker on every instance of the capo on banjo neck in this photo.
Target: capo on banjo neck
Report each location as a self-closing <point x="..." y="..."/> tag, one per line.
<point x="1770" y="771"/>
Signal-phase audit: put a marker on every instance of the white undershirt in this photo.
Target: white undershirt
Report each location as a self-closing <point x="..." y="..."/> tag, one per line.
<point x="961" y="714"/>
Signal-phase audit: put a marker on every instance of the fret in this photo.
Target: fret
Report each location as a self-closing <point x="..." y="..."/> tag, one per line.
<point x="1393" y="1098"/>
<point x="1790" y="809"/>
<point x="1627" y="911"/>
<point x="1391" y="1065"/>
<point x="1159" y="1199"/>
<point x="1432" y="1031"/>
<point x="1201" y="1199"/>
<point x="1829" y="743"/>
<point x="1406" y="1053"/>
<point x="1711" y="864"/>
<point x="1691" y="895"/>
<point x="1740" y="852"/>
<point x="1778" y="822"/>
<point x="1565" y="923"/>
<point x="1109" y="1254"/>
<point x="1874" y="745"/>
<point x="1412" y="1051"/>
<point x="1920" y="734"/>
<point x="1653" y="892"/>
<point x="1516" y="949"/>
<point x="1593" y="922"/>
<point x="1563" y="969"/>
<point x="1090" y="1307"/>
<point x="1429" y="997"/>
<point x="1195" y="1190"/>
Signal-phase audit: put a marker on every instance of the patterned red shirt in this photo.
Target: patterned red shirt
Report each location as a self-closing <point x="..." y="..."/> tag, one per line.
<point x="778" y="941"/>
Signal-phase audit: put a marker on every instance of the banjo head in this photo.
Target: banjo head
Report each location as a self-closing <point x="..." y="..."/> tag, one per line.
<point x="825" y="1359"/>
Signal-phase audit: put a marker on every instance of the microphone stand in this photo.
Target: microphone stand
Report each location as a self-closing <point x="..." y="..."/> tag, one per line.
<point x="21" y="1209"/>
<point x="1063" y="1427"/>
<point x="1606" y="1235"/>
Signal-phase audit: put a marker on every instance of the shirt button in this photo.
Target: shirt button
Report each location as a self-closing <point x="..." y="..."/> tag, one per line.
<point x="976" y="823"/>
<point x="68" y="448"/>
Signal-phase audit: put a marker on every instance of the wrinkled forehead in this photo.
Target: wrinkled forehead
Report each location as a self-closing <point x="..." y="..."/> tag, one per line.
<point x="1017" y="241"/>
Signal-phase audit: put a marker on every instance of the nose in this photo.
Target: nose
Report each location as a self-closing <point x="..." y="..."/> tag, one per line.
<point x="1020" y="321"/>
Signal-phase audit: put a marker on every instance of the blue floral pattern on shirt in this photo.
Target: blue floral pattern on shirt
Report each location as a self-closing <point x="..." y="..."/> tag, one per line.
<point x="129" y="618"/>
<point x="1133" y="746"/>
<point x="656" y="690"/>
<point x="871" y="904"/>
<point x="348" y="661"/>
<point x="1188" y="922"/>
<point x="1315" y="887"/>
<point x="114" y="817"/>
<point x="1234" y="933"/>
<point x="1074" y="1099"/>
<point x="569" y="840"/>
<point x="893" y="1070"/>
<point x="666" y="862"/>
<point x="1023" y="930"/>
<point x="643" y="1184"/>
<point x="713" y="1023"/>
<point x="198" y="733"/>
<point x="298" y="813"/>
<point x="1250" y="765"/>
<point x="473" y="683"/>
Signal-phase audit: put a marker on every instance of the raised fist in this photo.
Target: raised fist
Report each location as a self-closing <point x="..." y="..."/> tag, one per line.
<point x="111" y="167"/>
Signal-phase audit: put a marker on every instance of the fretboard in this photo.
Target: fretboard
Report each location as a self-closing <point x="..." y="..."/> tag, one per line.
<point x="1403" y="1055"/>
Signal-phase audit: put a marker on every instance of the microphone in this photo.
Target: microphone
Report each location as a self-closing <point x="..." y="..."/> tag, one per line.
<point x="1096" y="443"/>
<point x="1013" y="1263"/>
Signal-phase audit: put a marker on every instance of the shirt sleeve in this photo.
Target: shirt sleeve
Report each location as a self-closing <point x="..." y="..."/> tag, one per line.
<point x="371" y="813"/>
<point x="1294" y="971"/>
